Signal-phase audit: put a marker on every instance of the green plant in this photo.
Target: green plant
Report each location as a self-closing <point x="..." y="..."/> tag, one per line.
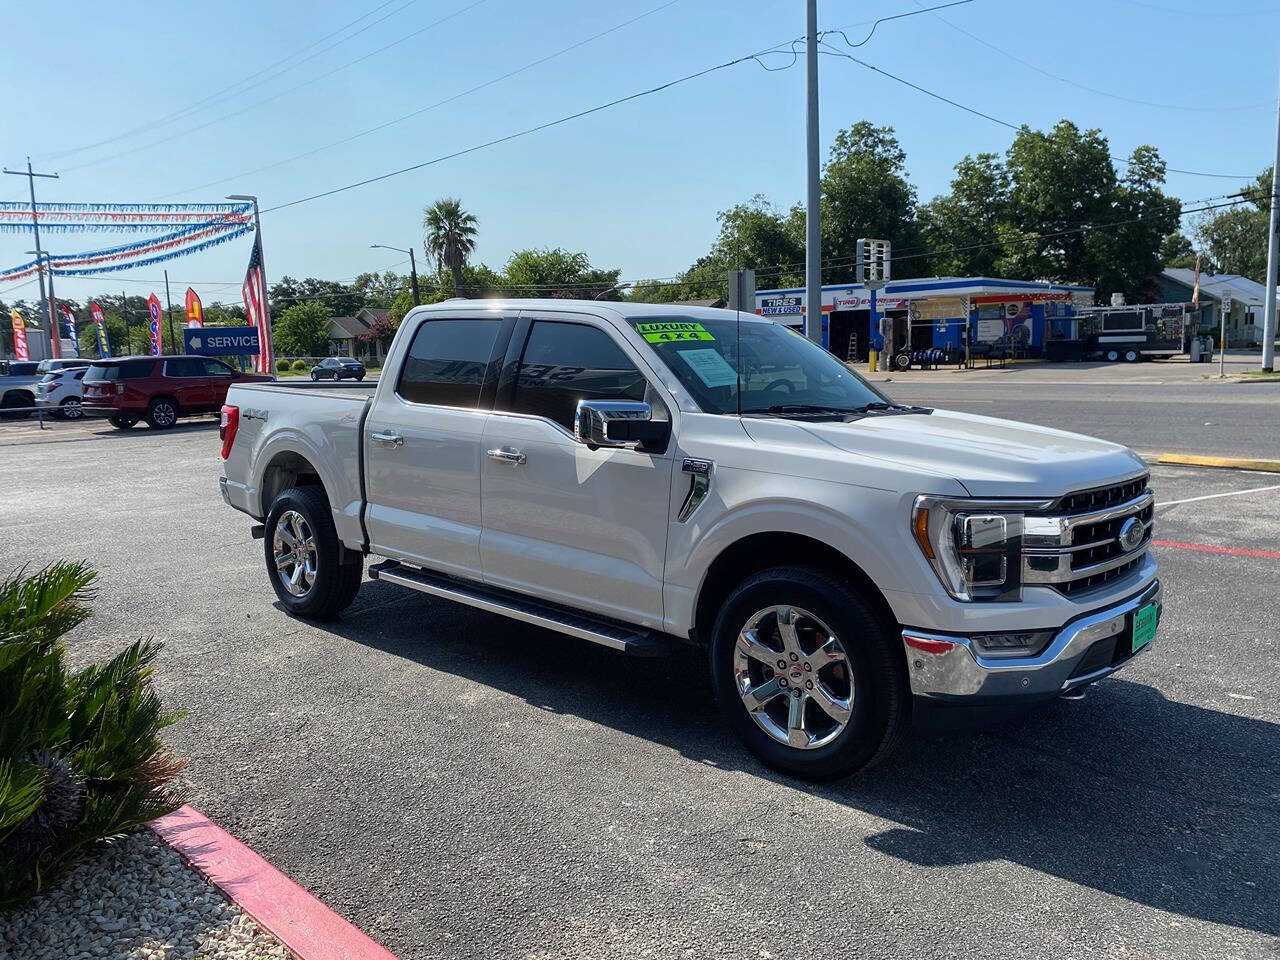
<point x="283" y="365"/>
<point x="81" y="758"/>
<point x="299" y="366"/>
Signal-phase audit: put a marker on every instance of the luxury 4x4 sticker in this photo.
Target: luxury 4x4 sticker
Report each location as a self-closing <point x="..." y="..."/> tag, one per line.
<point x="670" y="330"/>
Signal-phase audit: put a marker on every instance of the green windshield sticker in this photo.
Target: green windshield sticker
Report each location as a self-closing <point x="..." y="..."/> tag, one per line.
<point x="671" y="330"/>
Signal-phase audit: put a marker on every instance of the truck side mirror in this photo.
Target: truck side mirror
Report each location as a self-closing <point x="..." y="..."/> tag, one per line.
<point x="618" y="423"/>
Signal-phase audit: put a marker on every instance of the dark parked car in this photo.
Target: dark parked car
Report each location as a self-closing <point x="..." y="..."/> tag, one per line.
<point x="338" y="368"/>
<point x="159" y="389"/>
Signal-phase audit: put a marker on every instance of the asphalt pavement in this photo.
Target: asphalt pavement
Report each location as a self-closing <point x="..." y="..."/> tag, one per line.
<point x="1155" y="407"/>
<point x="460" y="785"/>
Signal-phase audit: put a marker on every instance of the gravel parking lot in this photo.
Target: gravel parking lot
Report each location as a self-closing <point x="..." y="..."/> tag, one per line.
<point x="459" y="785"/>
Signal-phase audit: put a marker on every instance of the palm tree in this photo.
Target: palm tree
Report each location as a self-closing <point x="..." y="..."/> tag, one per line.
<point x="450" y="237"/>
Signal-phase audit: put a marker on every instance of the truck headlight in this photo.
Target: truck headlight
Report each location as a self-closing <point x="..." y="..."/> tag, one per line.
<point x="975" y="548"/>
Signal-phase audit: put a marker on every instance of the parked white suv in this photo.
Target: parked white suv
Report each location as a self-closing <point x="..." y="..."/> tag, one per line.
<point x="59" y="391"/>
<point x="641" y="476"/>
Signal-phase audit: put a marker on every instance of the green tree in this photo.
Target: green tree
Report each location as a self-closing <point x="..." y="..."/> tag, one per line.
<point x="302" y="330"/>
<point x="1236" y="238"/>
<point x="1060" y="180"/>
<point x="961" y="226"/>
<point x="379" y="289"/>
<point x="341" y="299"/>
<point x="556" y="272"/>
<point x="1176" y="250"/>
<point x="1126" y="255"/>
<point x="450" y="237"/>
<point x="865" y="193"/>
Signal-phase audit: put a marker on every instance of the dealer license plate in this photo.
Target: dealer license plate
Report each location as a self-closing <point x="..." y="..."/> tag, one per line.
<point x="1144" y="625"/>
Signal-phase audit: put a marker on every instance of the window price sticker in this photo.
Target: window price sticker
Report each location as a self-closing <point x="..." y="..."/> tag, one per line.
<point x="672" y="330"/>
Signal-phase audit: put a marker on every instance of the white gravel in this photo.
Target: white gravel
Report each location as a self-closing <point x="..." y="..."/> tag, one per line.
<point x="137" y="899"/>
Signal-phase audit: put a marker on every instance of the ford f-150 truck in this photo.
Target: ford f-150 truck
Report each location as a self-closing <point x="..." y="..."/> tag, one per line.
<point x="637" y="475"/>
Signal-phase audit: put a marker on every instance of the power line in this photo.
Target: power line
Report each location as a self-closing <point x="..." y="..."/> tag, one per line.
<point x="525" y="132"/>
<point x="438" y="103"/>
<point x="1004" y="123"/>
<point x="191" y="108"/>
<point x="1072" y="83"/>
<point x="896" y="16"/>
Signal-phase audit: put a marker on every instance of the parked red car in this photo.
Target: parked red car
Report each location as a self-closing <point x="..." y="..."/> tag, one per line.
<point x="158" y="389"/>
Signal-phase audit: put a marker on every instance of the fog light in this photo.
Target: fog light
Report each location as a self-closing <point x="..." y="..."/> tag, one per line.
<point x="1021" y="644"/>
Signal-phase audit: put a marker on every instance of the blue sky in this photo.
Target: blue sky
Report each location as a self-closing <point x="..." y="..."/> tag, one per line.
<point x="638" y="186"/>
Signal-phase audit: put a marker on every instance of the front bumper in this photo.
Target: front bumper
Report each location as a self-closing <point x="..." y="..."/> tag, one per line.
<point x="1087" y="649"/>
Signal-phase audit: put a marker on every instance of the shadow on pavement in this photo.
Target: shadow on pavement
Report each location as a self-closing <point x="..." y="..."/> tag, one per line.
<point x="1162" y="803"/>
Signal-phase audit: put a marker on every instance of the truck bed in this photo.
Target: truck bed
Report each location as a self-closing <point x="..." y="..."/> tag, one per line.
<point x="321" y="422"/>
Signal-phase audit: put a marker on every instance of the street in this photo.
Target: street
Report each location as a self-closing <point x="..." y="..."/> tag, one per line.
<point x="460" y="785"/>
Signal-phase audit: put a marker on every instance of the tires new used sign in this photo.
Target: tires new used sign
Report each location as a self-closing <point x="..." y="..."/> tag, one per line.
<point x="221" y="341"/>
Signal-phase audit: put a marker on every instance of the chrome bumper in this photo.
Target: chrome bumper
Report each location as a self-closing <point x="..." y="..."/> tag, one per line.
<point x="952" y="669"/>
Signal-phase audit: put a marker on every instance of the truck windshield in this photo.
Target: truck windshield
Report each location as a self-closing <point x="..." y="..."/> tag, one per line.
<point x="777" y="370"/>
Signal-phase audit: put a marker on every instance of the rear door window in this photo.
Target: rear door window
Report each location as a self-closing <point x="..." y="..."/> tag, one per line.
<point x="563" y="363"/>
<point x="447" y="362"/>
<point x="183" y="367"/>
<point x="214" y="368"/>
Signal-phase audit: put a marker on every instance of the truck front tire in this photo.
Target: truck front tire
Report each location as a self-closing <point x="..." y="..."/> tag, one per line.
<point x="309" y="571"/>
<point x="805" y="672"/>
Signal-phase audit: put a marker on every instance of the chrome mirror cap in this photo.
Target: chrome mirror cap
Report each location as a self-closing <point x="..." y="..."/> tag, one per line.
<point x="592" y="418"/>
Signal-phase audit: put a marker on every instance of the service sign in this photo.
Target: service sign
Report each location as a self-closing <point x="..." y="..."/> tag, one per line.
<point x="780" y="306"/>
<point x="221" y="341"/>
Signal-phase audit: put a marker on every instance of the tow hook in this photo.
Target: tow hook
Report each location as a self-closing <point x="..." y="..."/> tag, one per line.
<point x="1076" y="693"/>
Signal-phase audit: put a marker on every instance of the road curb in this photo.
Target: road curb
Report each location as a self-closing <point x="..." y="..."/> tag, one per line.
<point x="308" y="928"/>
<point x="1222" y="463"/>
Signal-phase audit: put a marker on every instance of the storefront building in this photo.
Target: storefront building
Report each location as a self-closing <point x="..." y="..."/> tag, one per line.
<point x="934" y="313"/>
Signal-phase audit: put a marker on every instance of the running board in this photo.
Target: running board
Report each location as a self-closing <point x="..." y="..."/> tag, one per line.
<point x="633" y="640"/>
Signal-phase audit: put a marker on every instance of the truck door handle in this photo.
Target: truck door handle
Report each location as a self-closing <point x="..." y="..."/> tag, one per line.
<point x="387" y="439"/>
<point x="506" y="455"/>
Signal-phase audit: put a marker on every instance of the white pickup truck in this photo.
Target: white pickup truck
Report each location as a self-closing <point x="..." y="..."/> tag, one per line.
<point x="641" y="475"/>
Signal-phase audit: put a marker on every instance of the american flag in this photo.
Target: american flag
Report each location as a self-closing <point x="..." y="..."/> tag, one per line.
<point x="256" y="309"/>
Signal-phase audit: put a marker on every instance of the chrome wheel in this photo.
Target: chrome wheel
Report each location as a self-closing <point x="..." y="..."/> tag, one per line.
<point x="794" y="677"/>
<point x="294" y="550"/>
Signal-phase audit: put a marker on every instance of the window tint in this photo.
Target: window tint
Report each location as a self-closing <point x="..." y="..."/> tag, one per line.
<point x="567" y="362"/>
<point x="128" y="370"/>
<point x="183" y="367"/>
<point x="212" y="368"/>
<point x="447" y="362"/>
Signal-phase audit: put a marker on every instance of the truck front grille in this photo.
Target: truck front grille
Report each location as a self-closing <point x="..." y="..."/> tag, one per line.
<point x="1081" y="543"/>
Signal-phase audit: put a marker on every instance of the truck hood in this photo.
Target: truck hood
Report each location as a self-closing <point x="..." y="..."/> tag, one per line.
<point x="988" y="456"/>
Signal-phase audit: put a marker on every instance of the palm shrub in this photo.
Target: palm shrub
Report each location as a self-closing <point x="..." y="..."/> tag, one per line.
<point x="81" y="760"/>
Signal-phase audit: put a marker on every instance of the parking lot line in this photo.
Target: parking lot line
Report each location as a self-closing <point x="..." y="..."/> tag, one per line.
<point x="1211" y="548"/>
<point x="1214" y="496"/>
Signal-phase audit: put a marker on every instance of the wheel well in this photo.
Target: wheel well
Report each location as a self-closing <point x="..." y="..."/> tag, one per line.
<point x="19" y="397"/>
<point x="287" y="470"/>
<point x="165" y="396"/>
<point x="762" y="551"/>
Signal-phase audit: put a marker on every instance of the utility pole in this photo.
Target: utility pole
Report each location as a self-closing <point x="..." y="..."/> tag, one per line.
<point x="413" y="276"/>
<point x="1273" y="254"/>
<point x="173" y="342"/>
<point x="813" y="196"/>
<point x="51" y="322"/>
<point x="413" y="267"/>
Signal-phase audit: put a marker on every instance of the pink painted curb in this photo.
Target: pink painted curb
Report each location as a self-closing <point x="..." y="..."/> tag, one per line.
<point x="294" y="917"/>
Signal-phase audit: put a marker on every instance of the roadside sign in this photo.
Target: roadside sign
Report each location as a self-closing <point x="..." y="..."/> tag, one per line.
<point x="779" y="306"/>
<point x="221" y="341"/>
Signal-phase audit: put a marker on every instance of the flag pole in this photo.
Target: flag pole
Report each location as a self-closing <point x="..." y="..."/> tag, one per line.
<point x="262" y="268"/>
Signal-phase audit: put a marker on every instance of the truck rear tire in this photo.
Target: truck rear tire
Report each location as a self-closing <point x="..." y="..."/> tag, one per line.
<point x="308" y="569"/>
<point x="807" y="674"/>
